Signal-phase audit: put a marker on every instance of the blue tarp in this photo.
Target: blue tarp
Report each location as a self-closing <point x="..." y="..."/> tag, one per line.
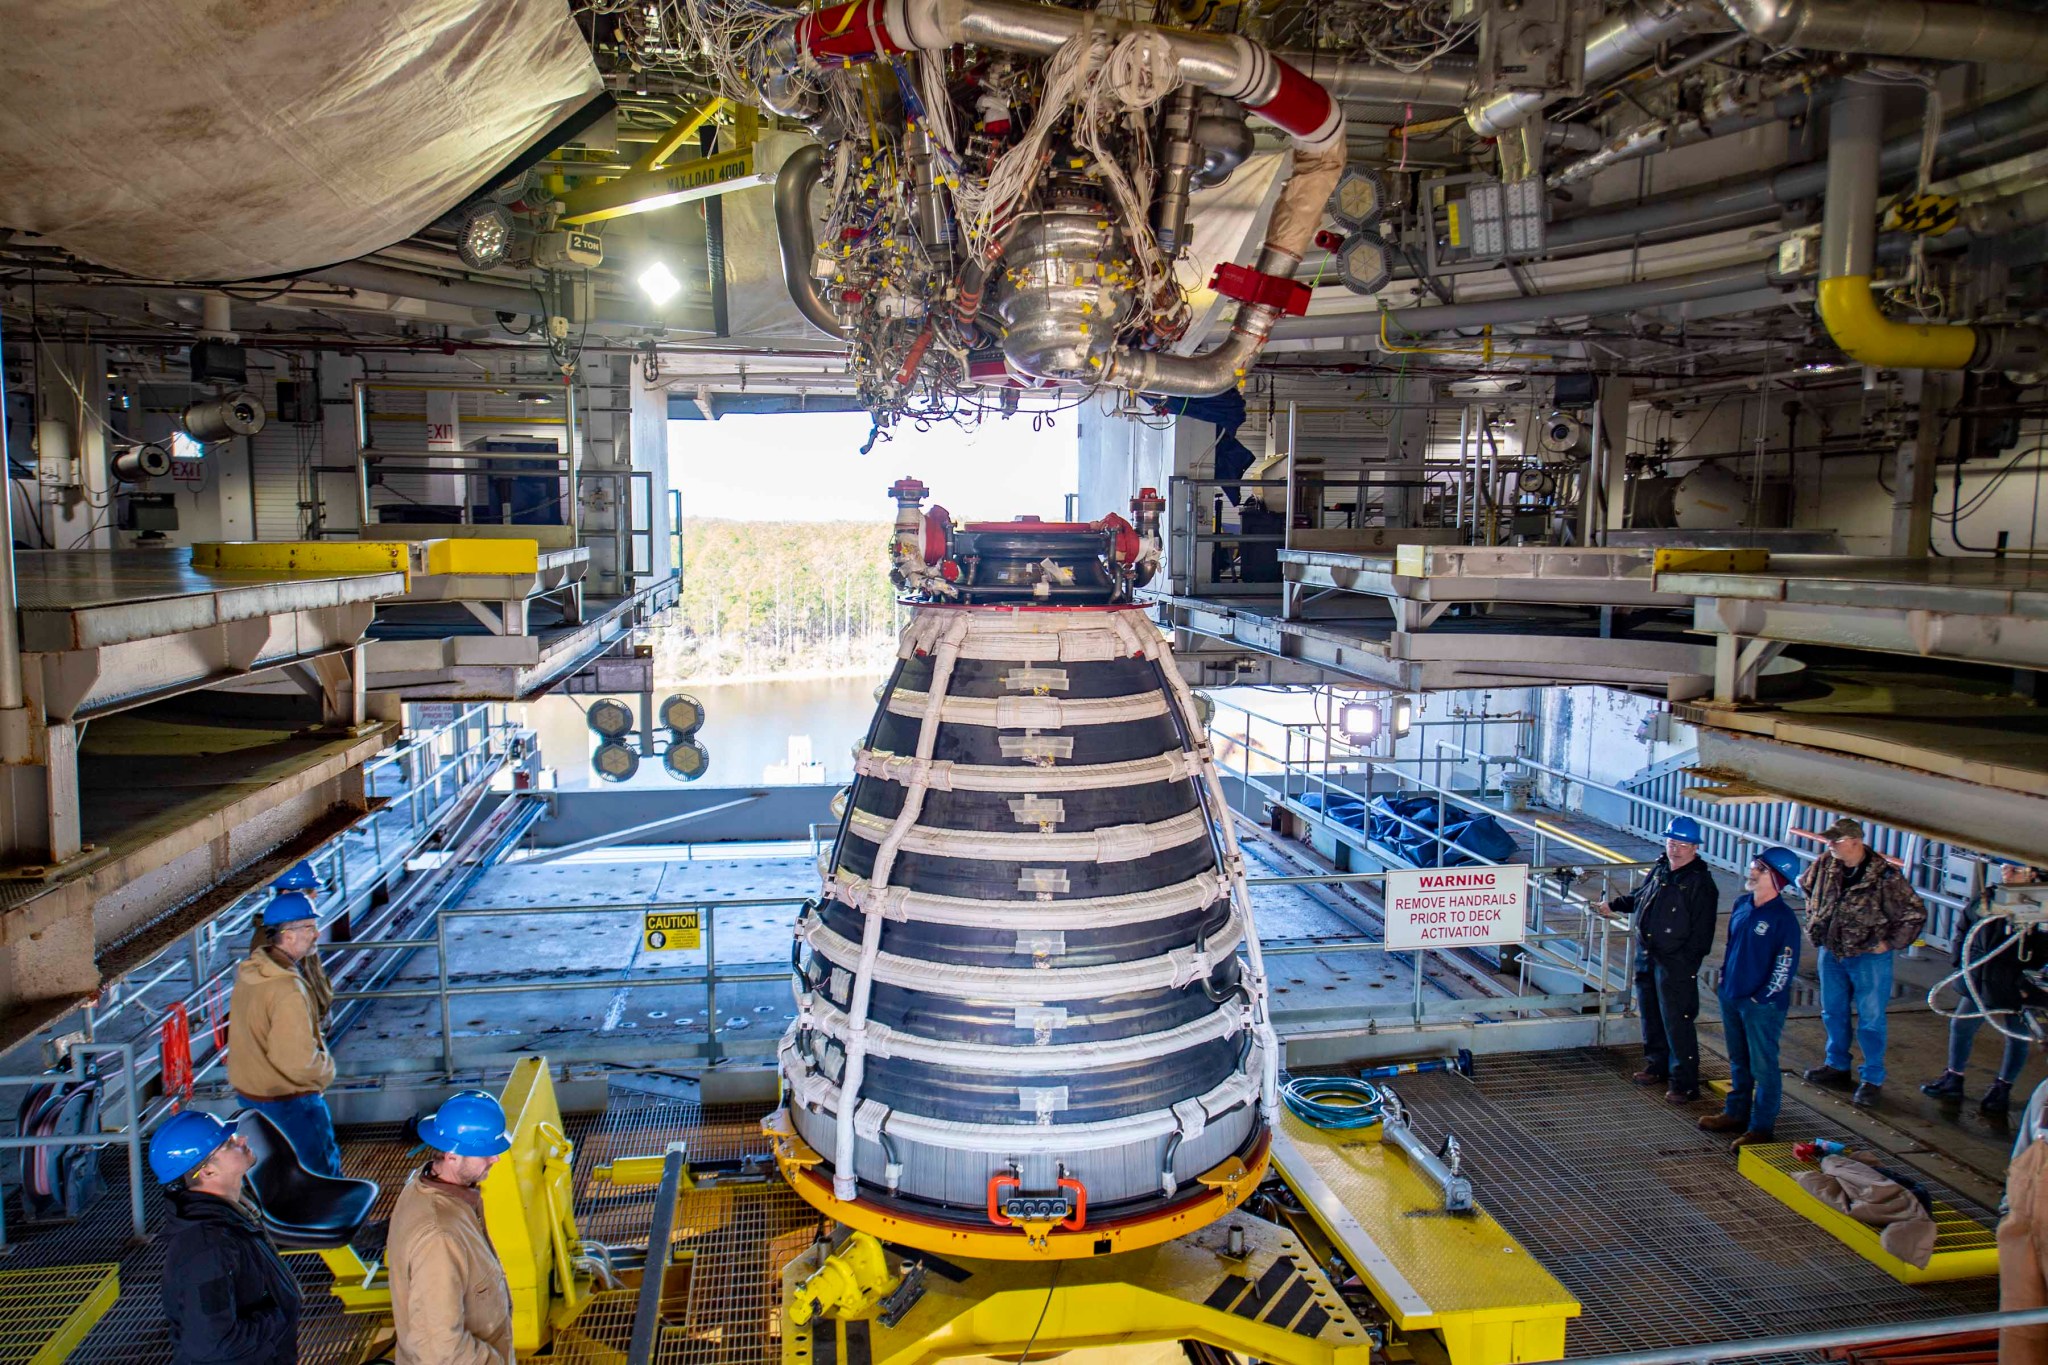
<point x="1471" y="837"/>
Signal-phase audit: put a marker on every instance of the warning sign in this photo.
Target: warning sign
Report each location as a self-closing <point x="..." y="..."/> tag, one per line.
<point x="1456" y="907"/>
<point x="672" y="930"/>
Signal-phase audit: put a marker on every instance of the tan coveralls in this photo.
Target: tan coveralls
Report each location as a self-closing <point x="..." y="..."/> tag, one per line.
<point x="449" y="1299"/>
<point x="2023" y="1243"/>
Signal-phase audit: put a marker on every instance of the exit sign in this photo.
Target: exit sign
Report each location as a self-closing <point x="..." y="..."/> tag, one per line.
<point x="191" y="471"/>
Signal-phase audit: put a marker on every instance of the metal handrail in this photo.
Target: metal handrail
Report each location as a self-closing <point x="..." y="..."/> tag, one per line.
<point x="1804" y="1343"/>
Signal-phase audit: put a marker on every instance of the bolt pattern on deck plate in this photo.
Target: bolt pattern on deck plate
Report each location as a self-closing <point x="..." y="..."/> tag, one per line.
<point x="1646" y="1219"/>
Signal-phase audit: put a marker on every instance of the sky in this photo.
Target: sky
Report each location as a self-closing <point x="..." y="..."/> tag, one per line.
<point x="808" y="467"/>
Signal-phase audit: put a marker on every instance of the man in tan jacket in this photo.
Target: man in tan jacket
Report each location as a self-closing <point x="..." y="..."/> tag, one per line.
<point x="449" y="1299"/>
<point x="277" y="1056"/>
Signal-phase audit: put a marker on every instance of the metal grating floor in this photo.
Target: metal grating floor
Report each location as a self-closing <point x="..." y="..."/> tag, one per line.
<point x="736" y="1238"/>
<point x="1642" y="1216"/>
<point x="1646" y="1219"/>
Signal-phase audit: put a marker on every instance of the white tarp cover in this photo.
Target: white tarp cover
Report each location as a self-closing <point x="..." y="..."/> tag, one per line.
<point x="240" y="138"/>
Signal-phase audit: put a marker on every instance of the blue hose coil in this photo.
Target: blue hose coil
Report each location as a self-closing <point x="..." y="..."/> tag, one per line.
<point x="1333" y="1102"/>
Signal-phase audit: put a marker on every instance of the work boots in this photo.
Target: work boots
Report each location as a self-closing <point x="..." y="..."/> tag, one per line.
<point x="1949" y="1086"/>
<point x="1997" y="1101"/>
<point x="1723" y="1123"/>
<point x="1827" y="1075"/>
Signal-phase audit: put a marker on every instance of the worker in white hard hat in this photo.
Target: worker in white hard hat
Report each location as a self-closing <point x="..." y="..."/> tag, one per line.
<point x="449" y="1299"/>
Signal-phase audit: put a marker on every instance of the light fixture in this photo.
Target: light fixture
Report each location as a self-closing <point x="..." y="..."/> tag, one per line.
<point x="659" y="283"/>
<point x="1362" y="262"/>
<point x="686" y="759"/>
<point x="1359" y="721"/>
<point x="609" y="717"/>
<point x="1358" y="199"/>
<point x="1404" y="715"/>
<point x="535" y="396"/>
<point x="614" y="761"/>
<point x="485" y="238"/>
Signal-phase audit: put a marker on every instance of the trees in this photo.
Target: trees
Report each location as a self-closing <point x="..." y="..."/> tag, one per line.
<point x="768" y="597"/>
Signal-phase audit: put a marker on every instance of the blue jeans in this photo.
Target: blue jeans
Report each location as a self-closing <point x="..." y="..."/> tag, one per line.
<point x="1863" y="982"/>
<point x="1963" y="1032"/>
<point x="1756" y="1090"/>
<point x="309" y="1125"/>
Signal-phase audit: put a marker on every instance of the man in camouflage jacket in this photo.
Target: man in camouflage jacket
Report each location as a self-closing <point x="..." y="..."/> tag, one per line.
<point x="1860" y="910"/>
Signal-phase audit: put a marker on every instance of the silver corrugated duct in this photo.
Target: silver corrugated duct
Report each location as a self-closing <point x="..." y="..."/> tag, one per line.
<point x="1897" y="28"/>
<point x="1614" y="298"/>
<point x="1447" y="81"/>
<point x="1627" y="40"/>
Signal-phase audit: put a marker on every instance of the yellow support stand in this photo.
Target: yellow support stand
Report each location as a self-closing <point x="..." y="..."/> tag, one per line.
<point x="1710" y="561"/>
<point x="1964" y="1249"/>
<point x="1241" y="1285"/>
<point x="46" y="1313"/>
<point x="530" y="1210"/>
<point x="1458" y="1275"/>
<point x="305" y="556"/>
<point x="469" y="555"/>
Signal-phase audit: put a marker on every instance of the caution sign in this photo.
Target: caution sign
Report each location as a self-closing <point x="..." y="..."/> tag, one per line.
<point x="672" y="930"/>
<point x="1456" y="907"/>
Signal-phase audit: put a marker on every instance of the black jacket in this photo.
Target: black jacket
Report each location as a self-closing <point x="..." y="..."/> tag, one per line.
<point x="227" y="1295"/>
<point x="1675" y="912"/>
<point x="2001" y="983"/>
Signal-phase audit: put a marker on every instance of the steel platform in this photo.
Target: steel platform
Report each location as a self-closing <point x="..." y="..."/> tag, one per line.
<point x="1418" y="582"/>
<point x="1960" y="761"/>
<point x="1533" y="644"/>
<point x="446" y="651"/>
<point x="1975" y="610"/>
<point x="104" y="630"/>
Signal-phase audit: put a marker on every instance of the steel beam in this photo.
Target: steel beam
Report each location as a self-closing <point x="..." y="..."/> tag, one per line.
<point x="1973" y="815"/>
<point x="646" y="191"/>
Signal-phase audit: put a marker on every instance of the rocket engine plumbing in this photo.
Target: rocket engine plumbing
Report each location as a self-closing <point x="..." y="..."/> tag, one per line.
<point x="1009" y="186"/>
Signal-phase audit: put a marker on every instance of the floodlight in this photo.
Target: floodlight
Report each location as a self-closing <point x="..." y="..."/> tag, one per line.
<point x="1359" y="721"/>
<point x="485" y="238"/>
<point x="659" y="283"/>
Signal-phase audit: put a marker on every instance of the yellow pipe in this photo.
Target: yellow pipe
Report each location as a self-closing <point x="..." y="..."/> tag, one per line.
<point x="1866" y="335"/>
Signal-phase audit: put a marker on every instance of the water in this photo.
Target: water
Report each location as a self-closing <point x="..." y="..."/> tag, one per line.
<point x="747" y="727"/>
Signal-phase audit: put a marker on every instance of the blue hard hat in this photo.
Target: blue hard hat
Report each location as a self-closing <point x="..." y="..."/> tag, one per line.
<point x="288" y="907"/>
<point x="469" y="1123"/>
<point x="184" y="1141"/>
<point x="298" y="877"/>
<point x="1782" y="861"/>
<point x="1684" y="829"/>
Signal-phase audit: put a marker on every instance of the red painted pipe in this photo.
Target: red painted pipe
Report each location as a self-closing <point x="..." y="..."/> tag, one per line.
<point x="841" y="35"/>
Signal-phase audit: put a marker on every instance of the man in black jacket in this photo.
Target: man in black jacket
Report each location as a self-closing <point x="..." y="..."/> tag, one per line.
<point x="1675" y="909"/>
<point x="226" y="1294"/>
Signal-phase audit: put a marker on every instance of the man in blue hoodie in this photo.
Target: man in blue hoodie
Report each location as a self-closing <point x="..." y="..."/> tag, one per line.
<point x="1757" y="969"/>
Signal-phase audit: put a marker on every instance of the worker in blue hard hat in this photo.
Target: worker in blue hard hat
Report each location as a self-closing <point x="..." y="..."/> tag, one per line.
<point x="1757" y="969"/>
<point x="1675" y="909"/>
<point x="449" y="1299"/>
<point x="1860" y="910"/>
<point x="231" y="1300"/>
<point x="277" y="1045"/>
<point x="1993" y="983"/>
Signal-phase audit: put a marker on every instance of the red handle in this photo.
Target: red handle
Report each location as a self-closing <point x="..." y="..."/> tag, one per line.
<point x="1078" y="1219"/>
<point x="996" y="1184"/>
